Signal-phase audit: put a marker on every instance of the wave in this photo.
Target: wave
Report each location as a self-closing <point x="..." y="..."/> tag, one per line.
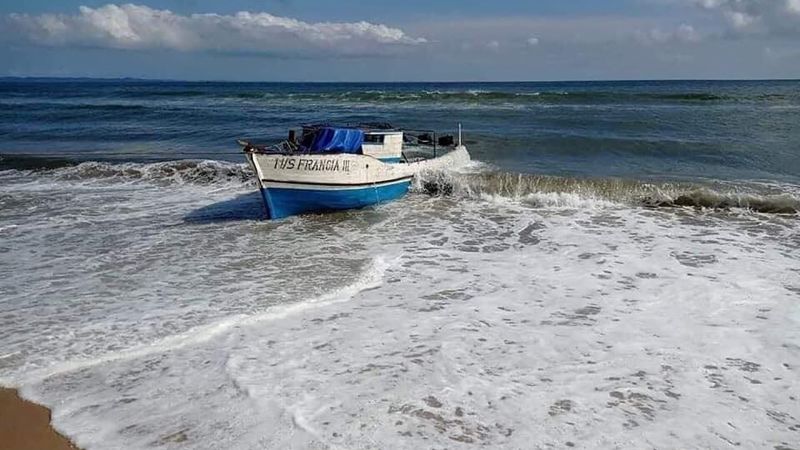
<point x="468" y="95"/>
<point x="550" y="191"/>
<point x="480" y="95"/>
<point x="180" y="172"/>
<point x="537" y="190"/>
<point x="427" y="97"/>
<point x="532" y="97"/>
<point x="188" y="171"/>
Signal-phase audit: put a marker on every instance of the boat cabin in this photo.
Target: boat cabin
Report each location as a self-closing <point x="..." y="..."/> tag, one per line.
<point x="385" y="145"/>
<point x="388" y="145"/>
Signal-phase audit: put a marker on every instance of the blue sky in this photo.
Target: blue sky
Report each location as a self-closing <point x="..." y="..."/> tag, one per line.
<point x="410" y="40"/>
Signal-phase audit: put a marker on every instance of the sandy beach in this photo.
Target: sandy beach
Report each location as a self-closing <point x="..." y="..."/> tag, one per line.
<point x="26" y="426"/>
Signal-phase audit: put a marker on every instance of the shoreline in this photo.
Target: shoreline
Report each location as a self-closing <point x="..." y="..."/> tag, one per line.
<point x="26" y="425"/>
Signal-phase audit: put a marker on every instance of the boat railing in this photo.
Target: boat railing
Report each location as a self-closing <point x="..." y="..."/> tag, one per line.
<point x="422" y="138"/>
<point x="418" y="141"/>
<point x="283" y="147"/>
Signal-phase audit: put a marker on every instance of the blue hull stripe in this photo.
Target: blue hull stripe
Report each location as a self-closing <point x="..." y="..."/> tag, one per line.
<point x="288" y="201"/>
<point x="336" y="185"/>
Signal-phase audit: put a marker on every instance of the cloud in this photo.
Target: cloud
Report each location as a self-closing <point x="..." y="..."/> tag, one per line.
<point x="139" y="27"/>
<point x="770" y="17"/>
<point x="519" y="36"/>
<point x="493" y="45"/>
<point x="683" y="34"/>
<point x="522" y="33"/>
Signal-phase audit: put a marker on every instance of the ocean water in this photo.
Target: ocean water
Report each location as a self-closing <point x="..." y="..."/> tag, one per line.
<point x="618" y="268"/>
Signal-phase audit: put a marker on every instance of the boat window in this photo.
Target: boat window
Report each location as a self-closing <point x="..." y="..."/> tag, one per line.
<point x="373" y="138"/>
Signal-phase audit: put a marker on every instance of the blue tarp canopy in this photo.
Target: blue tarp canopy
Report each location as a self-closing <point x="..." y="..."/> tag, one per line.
<point x="337" y="140"/>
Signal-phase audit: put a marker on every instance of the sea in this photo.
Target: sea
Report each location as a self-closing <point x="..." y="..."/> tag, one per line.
<point x="618" y="267"/>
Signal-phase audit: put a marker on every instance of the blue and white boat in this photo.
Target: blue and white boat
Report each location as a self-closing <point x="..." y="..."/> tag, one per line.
<point x="329" y="168"/>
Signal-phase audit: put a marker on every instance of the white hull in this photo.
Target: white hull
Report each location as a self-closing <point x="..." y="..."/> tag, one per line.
<point x="345" y="169"/>
<point x="293" y="184"/>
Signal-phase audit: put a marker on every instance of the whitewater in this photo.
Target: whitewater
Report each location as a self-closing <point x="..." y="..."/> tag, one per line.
<point x="150" y="306"/>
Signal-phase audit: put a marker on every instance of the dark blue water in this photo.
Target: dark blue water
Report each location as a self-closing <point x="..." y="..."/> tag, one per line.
<point x="743" y="130"/>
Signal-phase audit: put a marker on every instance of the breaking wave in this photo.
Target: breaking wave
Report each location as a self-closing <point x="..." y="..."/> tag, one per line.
<point x="182" y="172"/>
<point x="550" y="191"/>
<point x="537" y="190"/>
<point x="201" y="172"/>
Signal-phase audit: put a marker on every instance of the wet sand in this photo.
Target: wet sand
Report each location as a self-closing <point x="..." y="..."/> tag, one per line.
<point x="26" y="426"/>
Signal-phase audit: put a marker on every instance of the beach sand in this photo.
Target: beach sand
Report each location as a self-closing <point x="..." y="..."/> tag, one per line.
<point x="26" y="426"/>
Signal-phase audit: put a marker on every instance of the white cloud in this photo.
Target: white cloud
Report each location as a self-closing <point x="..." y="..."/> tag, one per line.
<point x="683" y="33"/>
<point x="776" y="55"/>
<point x="778" y="17"/>
<point x="515" y="33"/>
<point x="687" y="33"/>
<point x="132" y="26"/>
<point x="493" y="45"/>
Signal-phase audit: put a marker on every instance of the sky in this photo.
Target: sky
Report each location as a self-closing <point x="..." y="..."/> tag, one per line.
<point x="402" y="40"/>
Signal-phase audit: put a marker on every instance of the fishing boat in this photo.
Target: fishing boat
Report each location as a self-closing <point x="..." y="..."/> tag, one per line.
<point x="327" y="168"/>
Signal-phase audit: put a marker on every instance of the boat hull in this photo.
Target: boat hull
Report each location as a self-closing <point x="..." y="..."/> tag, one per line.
<point x="285" y="199"/>
<point x="293" y="184"/>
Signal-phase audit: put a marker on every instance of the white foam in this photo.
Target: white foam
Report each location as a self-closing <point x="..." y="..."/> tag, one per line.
<point x="369" y="280"/>
<point x="568" y="200"/>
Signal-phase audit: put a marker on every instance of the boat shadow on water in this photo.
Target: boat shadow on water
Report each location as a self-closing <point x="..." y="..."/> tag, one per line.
<point x="240" y="208"/>
<point x="250" y="207"/>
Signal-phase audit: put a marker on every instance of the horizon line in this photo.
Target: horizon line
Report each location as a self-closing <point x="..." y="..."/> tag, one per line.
<point x="177" y="80"/>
